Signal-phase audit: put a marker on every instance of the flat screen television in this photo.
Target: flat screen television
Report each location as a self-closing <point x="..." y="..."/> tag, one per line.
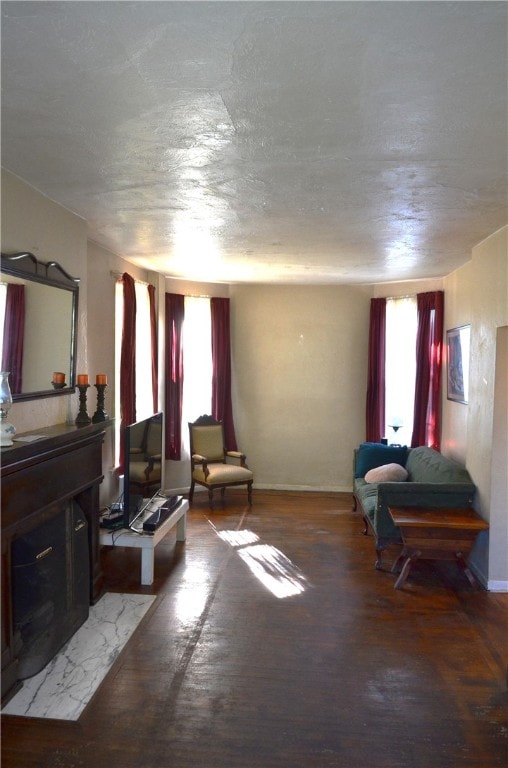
<point x="142" y="466"/>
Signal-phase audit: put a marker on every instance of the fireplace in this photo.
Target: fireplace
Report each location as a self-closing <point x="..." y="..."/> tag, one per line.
<point x="50" y="587"/>
<point x="50" y="544"/>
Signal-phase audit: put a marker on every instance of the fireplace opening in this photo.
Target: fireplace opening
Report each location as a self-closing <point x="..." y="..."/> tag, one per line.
<point x="50" y="578"/>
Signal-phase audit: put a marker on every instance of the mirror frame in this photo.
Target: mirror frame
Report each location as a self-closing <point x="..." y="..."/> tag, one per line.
<point x="27" y="267"/>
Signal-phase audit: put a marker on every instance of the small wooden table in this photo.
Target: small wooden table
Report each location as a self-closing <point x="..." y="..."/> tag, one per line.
<point x="435" y="534"/>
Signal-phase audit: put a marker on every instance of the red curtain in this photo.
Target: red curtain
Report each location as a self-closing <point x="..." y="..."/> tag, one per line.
<point x="14" y="332"/>
<point x="375" y="409"/>
<point x="222" y="408"/>
<point x="429" y="358"/>
<point x="127" y="360"/>
<point x="174" y="375"/>
<point x="153" y="337"/>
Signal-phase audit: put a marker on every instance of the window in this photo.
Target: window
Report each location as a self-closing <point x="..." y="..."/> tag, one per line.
<point x="400" y="368"/>
<point x="144" y="396"/>
<point x="404" y="366"/>
<point x="197" y="364"/>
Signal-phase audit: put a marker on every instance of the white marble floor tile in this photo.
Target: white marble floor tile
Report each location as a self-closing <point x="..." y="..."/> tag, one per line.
<point x="67" y="683"/>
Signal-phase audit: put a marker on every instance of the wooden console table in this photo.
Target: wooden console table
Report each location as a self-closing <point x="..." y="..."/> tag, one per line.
<point x="147" y="542"/>
<point x="435" y="534"/>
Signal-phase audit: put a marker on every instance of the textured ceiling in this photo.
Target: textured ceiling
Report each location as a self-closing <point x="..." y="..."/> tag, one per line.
<point x="294" y="142"/>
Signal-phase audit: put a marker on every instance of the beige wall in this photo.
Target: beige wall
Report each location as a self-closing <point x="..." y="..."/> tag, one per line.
<point x="299" y="357"/>
<point x="458" y="290"/>
<point x="489" y="311"/>
<point x="477" y="294"/>
<point x="32" y="222"/>
<point x="396" y="290"/>
<point x="498" y="551"/>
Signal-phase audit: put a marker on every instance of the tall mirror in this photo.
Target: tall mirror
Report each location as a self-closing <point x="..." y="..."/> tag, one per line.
<point x="38" y="316"/>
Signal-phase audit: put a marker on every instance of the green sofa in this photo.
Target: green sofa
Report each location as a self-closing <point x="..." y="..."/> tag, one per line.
<point x="432" y="481"/>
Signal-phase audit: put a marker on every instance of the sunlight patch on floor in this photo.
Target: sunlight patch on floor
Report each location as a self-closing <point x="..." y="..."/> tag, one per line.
<point x="238" y="538"/>
<point x="267" y="563"/>
<point x="274" y="570"/>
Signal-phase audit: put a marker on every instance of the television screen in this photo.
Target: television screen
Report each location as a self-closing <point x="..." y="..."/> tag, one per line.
<point x="142" y="466"/>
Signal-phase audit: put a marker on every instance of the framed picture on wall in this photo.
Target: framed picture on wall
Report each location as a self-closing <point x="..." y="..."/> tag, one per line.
<point x="457" y="352"/>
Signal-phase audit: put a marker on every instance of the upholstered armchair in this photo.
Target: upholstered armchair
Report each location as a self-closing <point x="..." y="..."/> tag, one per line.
<point x="211" y="464"/>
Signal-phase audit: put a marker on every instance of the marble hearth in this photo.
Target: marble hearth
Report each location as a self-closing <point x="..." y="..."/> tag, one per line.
<point x="66" y="685"/>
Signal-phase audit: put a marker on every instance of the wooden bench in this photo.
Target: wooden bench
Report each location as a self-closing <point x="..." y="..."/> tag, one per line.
<point x="435" y="534"/>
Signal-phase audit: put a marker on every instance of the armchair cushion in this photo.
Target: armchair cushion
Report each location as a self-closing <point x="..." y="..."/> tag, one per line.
<point x="208" y="441"/>
<point x="142" y="472"/>
<point x="222" y="473"/>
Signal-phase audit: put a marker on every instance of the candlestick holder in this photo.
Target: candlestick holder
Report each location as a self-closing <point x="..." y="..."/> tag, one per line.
<point x="100" y="414"/>
<point x="82" y="417"/>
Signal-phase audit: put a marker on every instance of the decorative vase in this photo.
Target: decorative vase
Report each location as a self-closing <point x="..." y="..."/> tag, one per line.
<point x="7" y="430"/>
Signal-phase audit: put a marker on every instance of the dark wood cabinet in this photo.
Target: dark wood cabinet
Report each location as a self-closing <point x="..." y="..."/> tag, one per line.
<point x="39" y="479"/>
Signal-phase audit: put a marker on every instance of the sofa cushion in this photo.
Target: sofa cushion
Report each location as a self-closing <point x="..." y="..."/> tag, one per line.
<point x="367" y="496"/>
<point x="425" y="465"/>
<point x="371" y="455"/>
<point x="387" y="473"/>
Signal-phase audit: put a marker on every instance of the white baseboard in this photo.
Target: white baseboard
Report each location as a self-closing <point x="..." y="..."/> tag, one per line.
<point x="497" y="586"/>
<point x="491" y="585"/>
<point x="302" y="488"/>
<point x="177" y="491"/>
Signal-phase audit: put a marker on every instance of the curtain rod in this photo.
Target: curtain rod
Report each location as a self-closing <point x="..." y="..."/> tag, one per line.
<point x="407" y="296"/>
<point x="119" y="276"/>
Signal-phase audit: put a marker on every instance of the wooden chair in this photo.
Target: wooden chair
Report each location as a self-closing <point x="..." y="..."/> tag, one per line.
<point x="211" y="464"/>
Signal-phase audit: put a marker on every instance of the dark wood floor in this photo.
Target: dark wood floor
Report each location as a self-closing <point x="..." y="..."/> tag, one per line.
<point x="348" y="672"/>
